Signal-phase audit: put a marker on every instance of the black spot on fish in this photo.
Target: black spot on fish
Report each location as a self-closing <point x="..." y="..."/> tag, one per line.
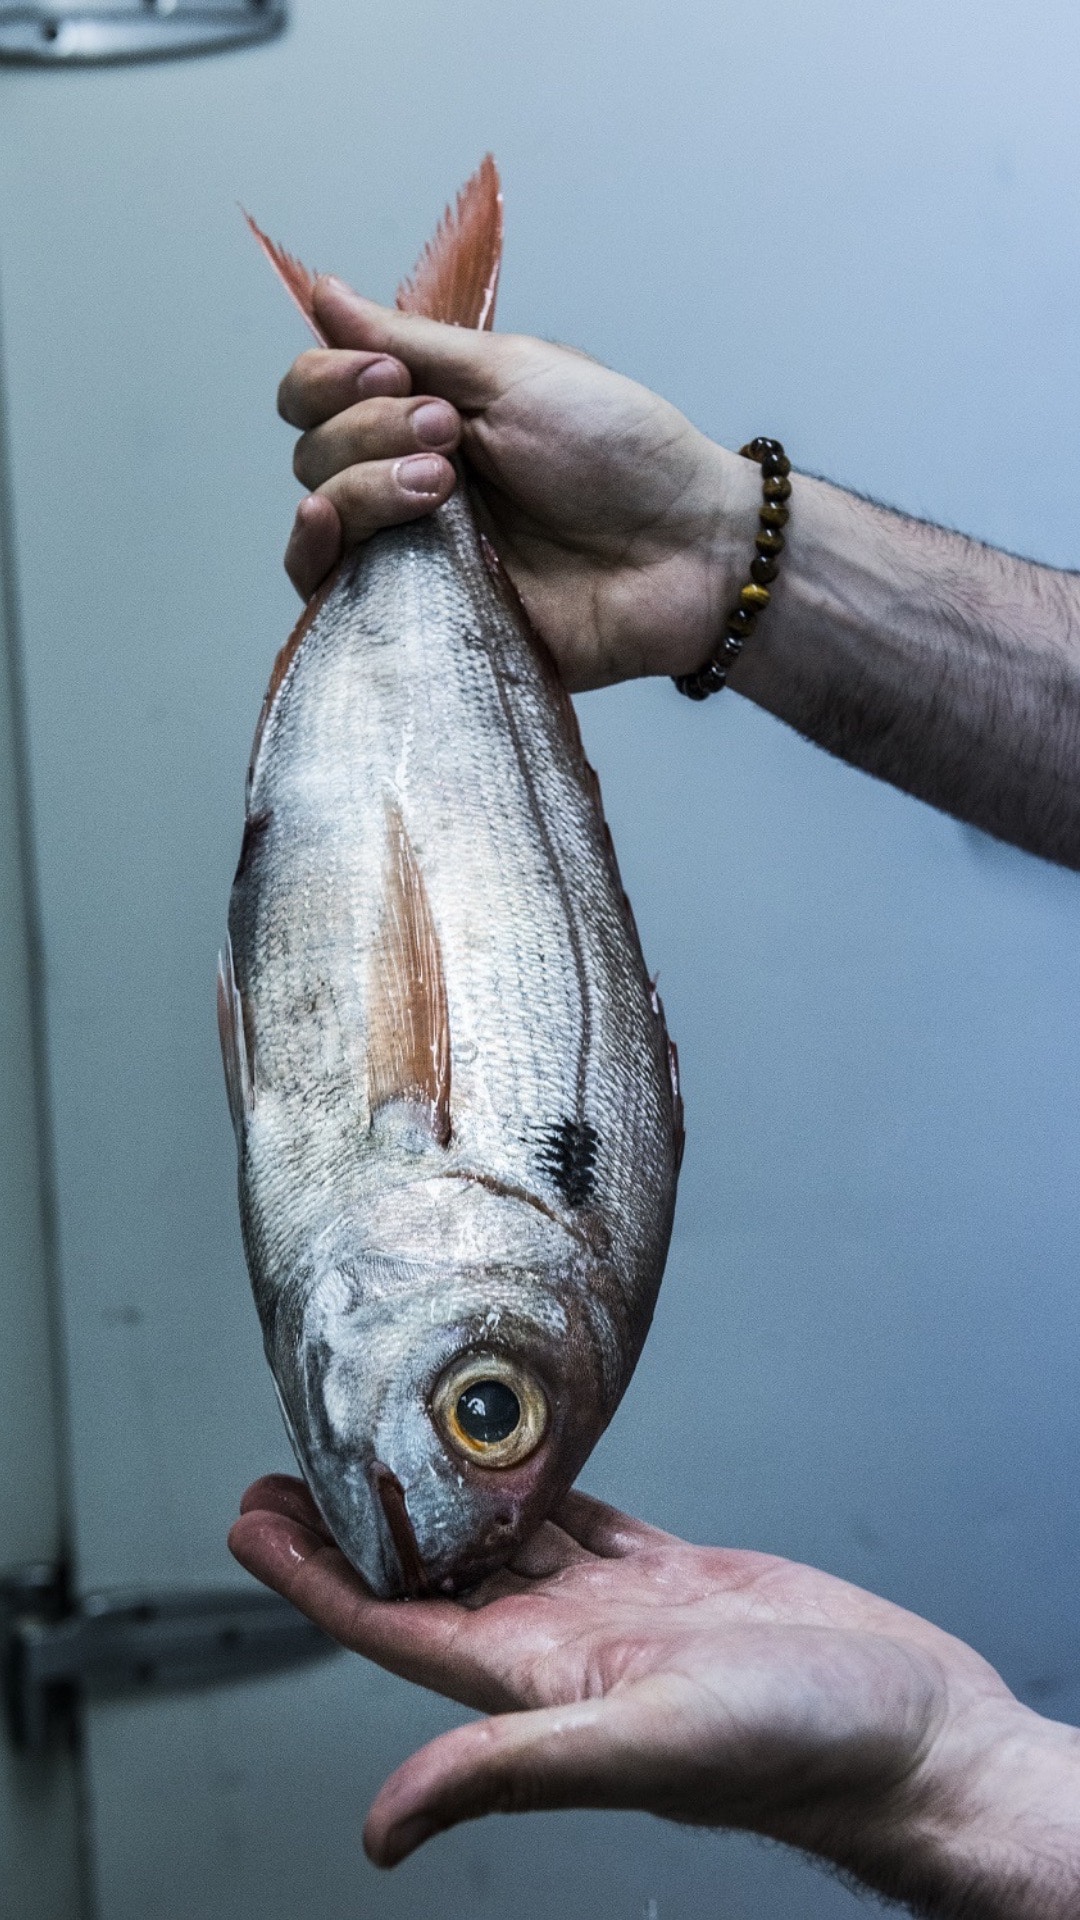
<point x="568" y="1153"/>
<point x="255" y="826"/>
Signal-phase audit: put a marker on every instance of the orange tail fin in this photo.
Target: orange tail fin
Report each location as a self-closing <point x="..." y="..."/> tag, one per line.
<point x="455" y="277"/>
<point x="457" y="274"/>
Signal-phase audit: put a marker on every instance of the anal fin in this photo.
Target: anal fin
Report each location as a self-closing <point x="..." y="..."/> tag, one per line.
<point x="408" y="1021"/>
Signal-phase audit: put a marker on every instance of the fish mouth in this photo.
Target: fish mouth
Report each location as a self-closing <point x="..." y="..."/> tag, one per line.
<point x="391" y="1497"/>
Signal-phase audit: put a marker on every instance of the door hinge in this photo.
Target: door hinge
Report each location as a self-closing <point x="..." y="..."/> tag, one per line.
<point x="49" y="36"/>
<point x="55" y="1653"/>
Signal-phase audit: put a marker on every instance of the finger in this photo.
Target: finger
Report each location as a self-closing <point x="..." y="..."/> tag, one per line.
<point x="591" y="1753"/>
<point x="375" y="430"/>
<point x="549" y="1551"/>
<point x="314" y="544"/>
<point x="383" y="493"/>
<point x="604" y="1530"/>
<point x="324" y="380"/>
<point x="545" y="1555"/>
<point x="428" y="1641"/>
<point x="283" y="1493"/>
<point x="459" y="362"/>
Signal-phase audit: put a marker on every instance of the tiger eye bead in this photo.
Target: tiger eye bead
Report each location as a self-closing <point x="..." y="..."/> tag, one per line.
<point x="740" y="622"/>
<point x="778" y="488"/>
<point x="772" y="514"/>
<point x="771" y="542"/>
<point x="763" y="569"/>
<point x="755" y="597"/>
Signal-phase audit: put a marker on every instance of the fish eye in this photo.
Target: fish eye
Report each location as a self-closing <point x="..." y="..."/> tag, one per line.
<point x="488" y="1411"/>
<point x="491" y="1410"/>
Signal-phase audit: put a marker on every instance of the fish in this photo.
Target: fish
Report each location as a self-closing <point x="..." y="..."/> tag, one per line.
<point x="455" y="1101"/>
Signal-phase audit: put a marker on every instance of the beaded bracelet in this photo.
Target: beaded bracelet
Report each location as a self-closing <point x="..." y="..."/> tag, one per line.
<point x="776" y="491"/>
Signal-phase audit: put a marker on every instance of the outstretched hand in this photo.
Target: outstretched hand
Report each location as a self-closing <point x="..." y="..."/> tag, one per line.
<point x="623" y="1668"/>
<point x="622" y="526"/>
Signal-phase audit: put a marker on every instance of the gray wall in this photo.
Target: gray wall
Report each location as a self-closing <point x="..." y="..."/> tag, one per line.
<point x="855" y="227"/>
<point x="39" y="1819"/>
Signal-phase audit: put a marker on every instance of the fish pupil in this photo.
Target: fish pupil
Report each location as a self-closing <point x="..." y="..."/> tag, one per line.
<point x="488" y="1411"/>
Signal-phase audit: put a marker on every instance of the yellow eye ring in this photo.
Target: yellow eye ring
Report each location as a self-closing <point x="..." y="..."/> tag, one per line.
<point x="490" y="1410"/>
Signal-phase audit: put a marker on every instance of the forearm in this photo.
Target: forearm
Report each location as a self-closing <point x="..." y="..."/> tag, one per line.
<point x="946" y="667"/>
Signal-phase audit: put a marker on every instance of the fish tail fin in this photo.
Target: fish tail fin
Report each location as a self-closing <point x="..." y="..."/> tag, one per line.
<point x="298" y="280"/>
<point x="457" y="275"/>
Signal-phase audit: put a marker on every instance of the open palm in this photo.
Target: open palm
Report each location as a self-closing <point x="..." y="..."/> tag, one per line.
<point x="624" y="1668"/>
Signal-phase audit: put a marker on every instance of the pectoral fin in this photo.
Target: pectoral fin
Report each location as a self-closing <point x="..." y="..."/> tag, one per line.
<point x="408" y="1022"/>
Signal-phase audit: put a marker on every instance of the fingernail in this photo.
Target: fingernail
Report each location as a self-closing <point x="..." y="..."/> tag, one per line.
<point x="380" y="377"/>
<point x="419" y="473"/>
<point x="433" y="423"/>
<point x="306" y="511"/>
<point x="339" y="286"/>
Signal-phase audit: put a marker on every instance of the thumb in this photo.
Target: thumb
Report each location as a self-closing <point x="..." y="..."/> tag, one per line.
<point x="460" y="363"/>
<point x="592" y="1753"/>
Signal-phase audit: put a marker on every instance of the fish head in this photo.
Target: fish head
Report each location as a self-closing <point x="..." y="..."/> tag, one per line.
<point x="442" y="1393"/>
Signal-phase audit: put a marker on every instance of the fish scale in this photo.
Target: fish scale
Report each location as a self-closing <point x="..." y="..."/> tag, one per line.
<point x="457" y="1123"/>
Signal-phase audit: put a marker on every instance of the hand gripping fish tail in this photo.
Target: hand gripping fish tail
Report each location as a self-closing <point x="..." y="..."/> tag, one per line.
<point x="452" y="1089"/>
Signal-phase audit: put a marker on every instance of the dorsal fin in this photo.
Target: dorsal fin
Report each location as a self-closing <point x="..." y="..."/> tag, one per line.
<point x="408" y="1023"/>
<point x="298" y="280"/>
<point x="457" y="274"/>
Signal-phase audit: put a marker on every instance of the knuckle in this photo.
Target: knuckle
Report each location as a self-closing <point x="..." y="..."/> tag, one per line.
<point x="302" y="461"/>
<point x="376" y="419"/>
<point x="372" y="429"/>
<point x="286" y="401"/>
<point x="298" y="394"/>
<point x="354" y="494"/>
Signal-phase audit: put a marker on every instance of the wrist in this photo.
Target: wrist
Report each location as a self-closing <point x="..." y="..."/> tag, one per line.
<point x="737" y="481"/>
<point x="747" y="556"/>
<point x="988" y="1827"/>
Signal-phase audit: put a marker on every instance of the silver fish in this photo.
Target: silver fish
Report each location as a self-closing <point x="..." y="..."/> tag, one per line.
<point x="455" y="1101"/>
